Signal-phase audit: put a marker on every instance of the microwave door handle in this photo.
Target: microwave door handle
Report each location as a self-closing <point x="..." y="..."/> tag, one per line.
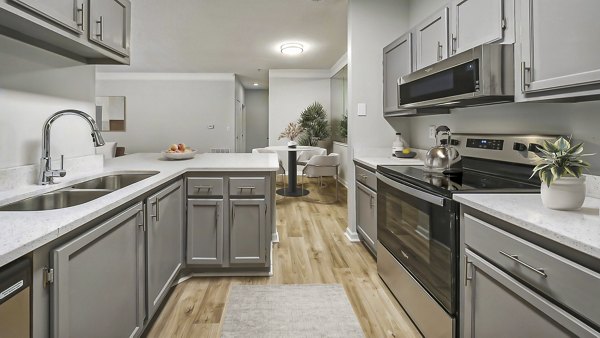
<point x="439" y="201"/>
<point x="398" y="92"/>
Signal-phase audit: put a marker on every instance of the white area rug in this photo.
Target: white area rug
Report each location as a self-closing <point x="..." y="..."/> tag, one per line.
<point x="290" y="311"/>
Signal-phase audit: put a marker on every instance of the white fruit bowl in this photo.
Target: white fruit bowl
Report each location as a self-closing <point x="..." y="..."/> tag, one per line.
<point x="188" y="154"/>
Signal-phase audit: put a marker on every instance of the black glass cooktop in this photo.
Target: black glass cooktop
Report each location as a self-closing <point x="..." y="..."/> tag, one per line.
<point x="470" y="181"/>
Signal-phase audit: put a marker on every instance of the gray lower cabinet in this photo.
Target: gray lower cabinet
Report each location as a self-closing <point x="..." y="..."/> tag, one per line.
<point x="497" y="305"/>
<point x="366" y="215"/>
<point x="247" y="238"/>
<point x="110" y="24"/>
<point x="567" y="71"/>
<point x="205" y="232"/>
<point x="98" y="288"/>
<point x="164" y="242"/>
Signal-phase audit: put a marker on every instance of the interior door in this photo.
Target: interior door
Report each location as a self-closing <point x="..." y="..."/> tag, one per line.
<point x="164" y="242"/>
<point x="110" y="22"/>
<point x="98" y="288"/>
<point x="69" y="14"/>
<point x="432" y="39"/>
<point x="475" y="22"/>
<point x="559" y="48"/>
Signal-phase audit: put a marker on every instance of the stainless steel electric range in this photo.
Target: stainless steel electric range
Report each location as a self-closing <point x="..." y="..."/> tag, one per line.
<point x="418" y="222"/>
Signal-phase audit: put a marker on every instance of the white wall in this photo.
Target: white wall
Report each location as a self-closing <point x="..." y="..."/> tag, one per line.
<point x="166" y="108"/>
<point x="371" y="26"/>
<point x="290" y="92"/>
<point x="33" y="85"/>
<point x="419" y="10"/>
<point x="257" y="119"/>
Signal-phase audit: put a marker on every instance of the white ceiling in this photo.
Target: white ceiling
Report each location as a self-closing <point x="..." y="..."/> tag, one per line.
<point x="234" y="36"/>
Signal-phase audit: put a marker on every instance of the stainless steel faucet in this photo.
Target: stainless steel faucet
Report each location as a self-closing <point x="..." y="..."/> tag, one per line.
<point x="47" y="175"/>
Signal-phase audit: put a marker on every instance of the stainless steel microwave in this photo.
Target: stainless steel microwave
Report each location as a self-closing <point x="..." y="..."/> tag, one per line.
<point x="479" y="76"/>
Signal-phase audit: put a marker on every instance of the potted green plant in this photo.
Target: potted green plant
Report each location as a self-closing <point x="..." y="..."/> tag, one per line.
<point x="343" y="127"/>
<point x="561" y="172"/>
<point x="315" y="124"/>
<point x="291" y="132"/>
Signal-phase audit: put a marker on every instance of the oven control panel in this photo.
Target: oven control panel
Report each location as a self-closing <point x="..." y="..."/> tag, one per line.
<point x="485" y="143"/>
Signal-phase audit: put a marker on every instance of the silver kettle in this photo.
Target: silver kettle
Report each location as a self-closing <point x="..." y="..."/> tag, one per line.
<point x="443" y="158"/>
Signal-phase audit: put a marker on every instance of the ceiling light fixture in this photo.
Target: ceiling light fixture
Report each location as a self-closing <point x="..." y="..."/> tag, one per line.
<point x="255" y="84"/>
<point x="292" y="48"/>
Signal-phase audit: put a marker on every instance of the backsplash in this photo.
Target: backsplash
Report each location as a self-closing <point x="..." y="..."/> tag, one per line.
<point x="592" y="184"/>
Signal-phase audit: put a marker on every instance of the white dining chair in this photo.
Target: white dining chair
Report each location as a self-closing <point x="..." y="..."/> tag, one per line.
<point x="281" y="170"/>
<point x="320" y="166"/>
<point x="305" y="155"/>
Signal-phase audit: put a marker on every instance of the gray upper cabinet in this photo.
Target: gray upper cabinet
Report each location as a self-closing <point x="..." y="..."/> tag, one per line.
<point x="475" y="22"/>
<point x="110" y="24"/>
<point x="205" y="232"/>
<point x="98" y="287"/>
<point x="164" y="242"/>
<point x="69" y="14"/>
<point x="397" y="62"/>
<point x="558" y="47"/>
<point x="366" y="215"/>
<point x="497" y="305"/>
<point x="247" y="231"/>
<point x="432" y="39"/>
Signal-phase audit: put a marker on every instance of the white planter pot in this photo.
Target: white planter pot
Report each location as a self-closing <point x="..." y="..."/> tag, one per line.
<point x="566" y="193"/>
<point x="292" y="144"/>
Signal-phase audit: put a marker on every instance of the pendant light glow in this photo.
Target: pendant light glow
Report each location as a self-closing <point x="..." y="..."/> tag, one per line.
<point x="292" y="48"/>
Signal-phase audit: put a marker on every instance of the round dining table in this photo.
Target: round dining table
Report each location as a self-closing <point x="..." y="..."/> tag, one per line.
<point x="292" y="188"/>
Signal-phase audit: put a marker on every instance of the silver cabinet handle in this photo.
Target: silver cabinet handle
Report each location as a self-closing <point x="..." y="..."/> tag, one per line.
<point x="398" y="92"/>
<point x="216" y="215"/>
<point x="201" y="187"/>
<point x="157" y="214"/>
<point x="454" y="41"/>
<point x="246" y="188"/>
<point x="100" y="24"/>
<point x="524" y="83"/>
<point x="81" y="16"/>
<point x="467" y="277"/>
<point x="372" y="201"/>
<point x="516" y="259"/>
<point x="439" y="51"/>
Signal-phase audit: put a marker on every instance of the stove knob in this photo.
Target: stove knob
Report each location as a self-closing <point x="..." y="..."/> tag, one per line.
<point x="519" y="146"/>
<point x="534" y="147"/>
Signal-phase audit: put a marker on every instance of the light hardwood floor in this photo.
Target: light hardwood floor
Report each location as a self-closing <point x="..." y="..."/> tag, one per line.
<point x="312" y="250"/>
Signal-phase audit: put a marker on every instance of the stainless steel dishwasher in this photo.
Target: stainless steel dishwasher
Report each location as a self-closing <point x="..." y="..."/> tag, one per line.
<point x="15" y="303"/>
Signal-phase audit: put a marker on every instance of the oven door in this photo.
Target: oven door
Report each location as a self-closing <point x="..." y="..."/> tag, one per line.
<point x="420" y="230"/>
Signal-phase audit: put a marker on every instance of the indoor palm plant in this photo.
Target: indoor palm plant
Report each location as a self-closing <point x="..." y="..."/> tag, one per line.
<point x="315" y="124"/>
<point x="561" y="172"/>
<point x="344" y="126"/>
<point x="291" y="132"/>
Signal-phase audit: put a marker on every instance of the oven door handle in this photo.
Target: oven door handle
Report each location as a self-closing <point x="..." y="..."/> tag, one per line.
<point x="412" y="191"/>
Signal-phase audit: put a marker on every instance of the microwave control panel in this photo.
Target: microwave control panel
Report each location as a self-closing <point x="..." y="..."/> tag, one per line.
<point x="483" y="143"/>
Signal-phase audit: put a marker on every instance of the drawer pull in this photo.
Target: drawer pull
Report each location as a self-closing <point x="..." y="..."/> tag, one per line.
<point x="246" y="188"/>
<point x="516" y="259"/>
<point x="202" y="187"/>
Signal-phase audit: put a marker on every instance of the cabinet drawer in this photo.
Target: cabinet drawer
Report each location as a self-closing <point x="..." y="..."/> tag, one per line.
<point x="205" y="186"/>
<point x="366" y="177"/>
<point x="560" y="279"/>
<point x="247" y="186"/>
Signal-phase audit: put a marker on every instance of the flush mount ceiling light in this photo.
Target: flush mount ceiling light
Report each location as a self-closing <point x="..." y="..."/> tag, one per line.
<point x="292" y="48"/>
<point x="255" y="84"/>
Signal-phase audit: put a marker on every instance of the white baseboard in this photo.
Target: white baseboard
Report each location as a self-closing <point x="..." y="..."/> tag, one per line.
<point x="275" y="237"/>
<point x="351" y="235"/>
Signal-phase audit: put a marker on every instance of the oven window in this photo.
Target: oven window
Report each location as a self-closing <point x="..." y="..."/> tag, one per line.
<point x="421" y="236"/>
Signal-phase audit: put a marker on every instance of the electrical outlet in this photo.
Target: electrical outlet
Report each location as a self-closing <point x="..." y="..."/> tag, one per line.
<point x="432" y="132"/>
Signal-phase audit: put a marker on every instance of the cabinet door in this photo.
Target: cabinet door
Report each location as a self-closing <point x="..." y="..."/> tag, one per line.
<point x="559" y="48"/>
<point x="496" y="305"/>
<point x="110" y="22"/>
<point x="366" y="214"/>
<point x="164" y="242"/>
<point x="475" y="22"/>
<point x="247" y="232"/>
<point x="397" y="62"/>
<point x="432" y="39"/>
<point x="98" y="288"/>
<point x="69" y="14"/>
<point x="205" y="232"/>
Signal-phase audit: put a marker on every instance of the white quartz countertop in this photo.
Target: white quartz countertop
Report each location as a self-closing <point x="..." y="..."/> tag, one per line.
<point x="579" y="229"/>
<point x="373" y="162"/>
<point x="24" y="231"/>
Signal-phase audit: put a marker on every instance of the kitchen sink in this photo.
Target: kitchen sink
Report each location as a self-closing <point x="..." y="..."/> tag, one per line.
<point x="55" y="200"/>
<point x="79" y="193"/>
<point x="114" y="182"/>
